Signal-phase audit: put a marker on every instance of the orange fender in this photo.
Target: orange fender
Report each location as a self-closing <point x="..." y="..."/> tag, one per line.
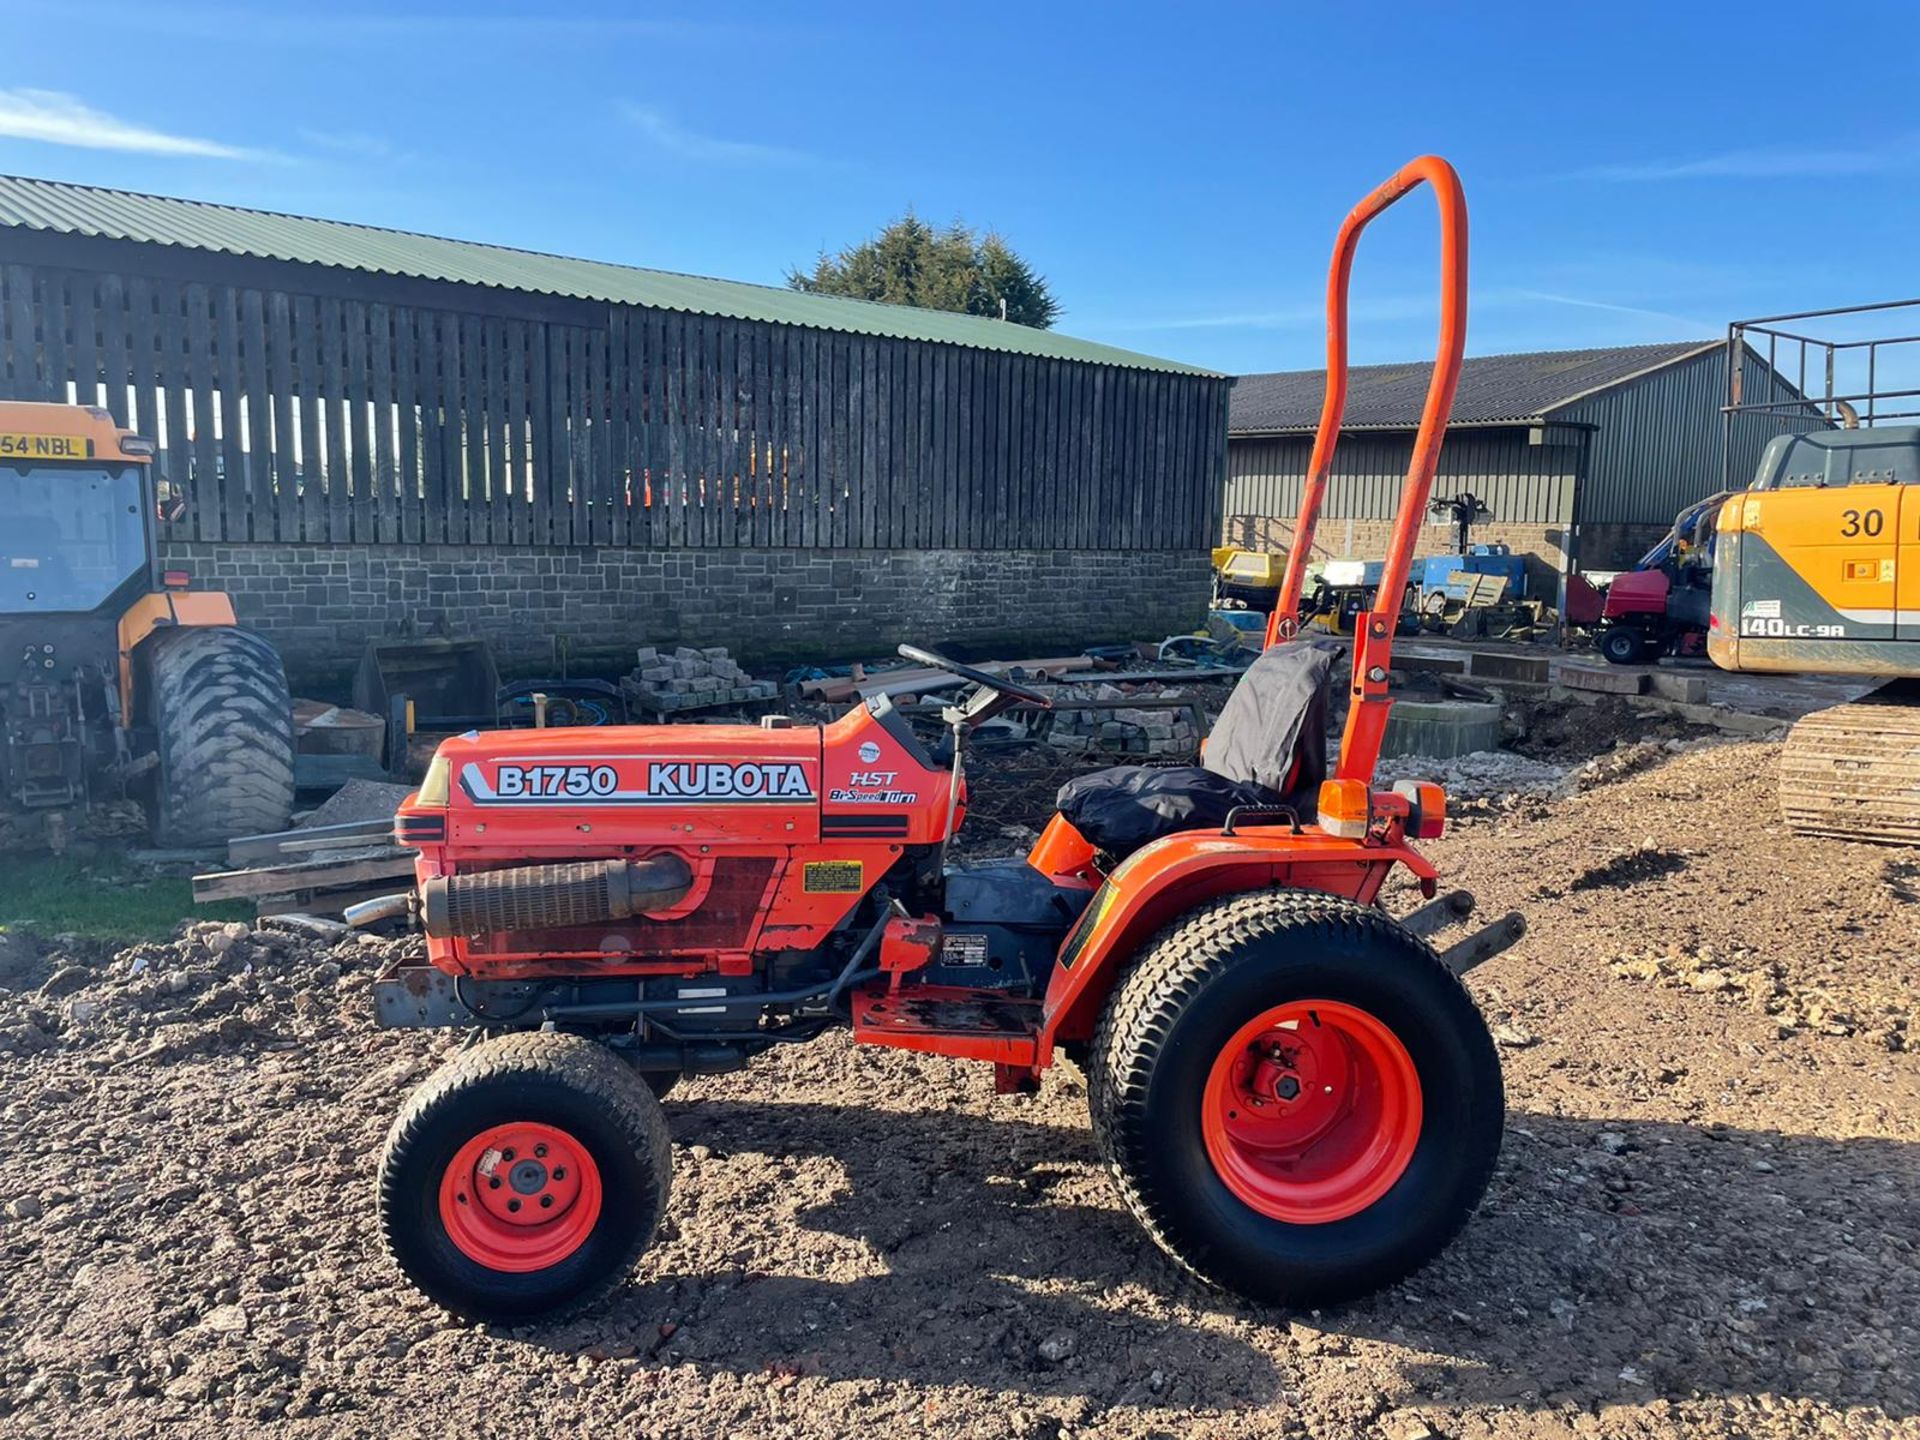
<point x="1164" y="880"/>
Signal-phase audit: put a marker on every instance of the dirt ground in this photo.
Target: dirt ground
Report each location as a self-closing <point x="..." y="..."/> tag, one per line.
<point x="1704" y="1221"/>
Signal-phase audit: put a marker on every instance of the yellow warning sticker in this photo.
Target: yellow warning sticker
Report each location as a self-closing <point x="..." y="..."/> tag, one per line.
<point x="833" y="877"/>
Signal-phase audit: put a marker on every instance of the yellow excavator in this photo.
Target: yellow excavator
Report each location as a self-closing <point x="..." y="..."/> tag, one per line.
<point x="1816" y="568"/>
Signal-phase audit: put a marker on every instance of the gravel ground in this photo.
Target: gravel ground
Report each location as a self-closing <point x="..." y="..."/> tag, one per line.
<point x="1704" y="1221"/>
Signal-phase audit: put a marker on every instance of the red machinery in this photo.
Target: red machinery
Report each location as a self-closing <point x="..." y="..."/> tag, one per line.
<point x="1293" y="1090"/>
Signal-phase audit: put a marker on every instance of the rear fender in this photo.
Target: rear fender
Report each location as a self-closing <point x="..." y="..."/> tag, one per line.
<point x="164" y="610"/>
<point x="1172" y="876"/>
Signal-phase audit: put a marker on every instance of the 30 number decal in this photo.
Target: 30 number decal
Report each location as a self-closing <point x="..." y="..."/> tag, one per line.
<point x="1855" y="522"/>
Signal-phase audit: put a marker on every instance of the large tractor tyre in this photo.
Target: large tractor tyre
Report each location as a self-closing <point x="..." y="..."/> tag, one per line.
<point x="1295" y="1097"/>
<point x="524" y="1178"/>
<point x="219" y="706"/>
<point x="1623" y="645"/>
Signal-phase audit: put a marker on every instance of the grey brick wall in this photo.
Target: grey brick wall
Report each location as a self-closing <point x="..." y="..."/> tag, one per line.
<point x="321" y="603"/>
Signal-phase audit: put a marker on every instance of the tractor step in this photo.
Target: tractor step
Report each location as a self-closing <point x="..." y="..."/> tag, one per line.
<point x="947" y="1020"/>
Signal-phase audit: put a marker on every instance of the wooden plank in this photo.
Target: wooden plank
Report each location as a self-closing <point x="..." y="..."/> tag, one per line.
<point x="557" y="482"/>
<point x="245" y="850"/>
<point x="333" y="356"/>
<point x="492" y="404"/>
<point x="516" y="449"/>
<point x="477" y="529"/>
<point x="815" y="391"/>
<point x="82" y="332"/>
<point x="280" y="386"/>
<point x="755" y="428"/>
<point x="203" y="474"/>
<point x="115" y="361"/>
<point x="384" y="493"/>
<point x="143" y="417"/>
<point x="170" y="373"/>
<point x="231" y="388"/>
<point x="539" y="434"/>
<point x="655" y="432"/>
<point x="307" y="343"/>
<point x="408" y="520"/>
<point x="21" y="339"/>
<point x="725" y="494"/>
<point x="617" y="445"/>
<point x="456" y="464"/>
<point x="263" y="504"/>
<point x="671" y="493"/>
<point x="714" y="516"/>
<point x="603" y="495"/>
<point x="307" y="875"/>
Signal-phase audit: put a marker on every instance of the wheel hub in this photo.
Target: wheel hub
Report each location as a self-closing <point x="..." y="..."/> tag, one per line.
<point x="520" y="1197"/>
<point x="1311" y="1111"/>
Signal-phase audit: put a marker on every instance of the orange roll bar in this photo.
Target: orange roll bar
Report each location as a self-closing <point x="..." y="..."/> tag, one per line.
<point x="1373" y="636"/>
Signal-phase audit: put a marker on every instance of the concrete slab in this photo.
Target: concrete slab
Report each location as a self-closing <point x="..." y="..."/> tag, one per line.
<point x="1678" y="685"/>
<point x="1517" y="669"/>
<point x="1441" y="729"/>
<point x="1603" y="679"/>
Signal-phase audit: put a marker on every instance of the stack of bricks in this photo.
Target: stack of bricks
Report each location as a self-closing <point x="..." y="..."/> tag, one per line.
<point x="689" y="679"/>
<point x="1121" y="729"/>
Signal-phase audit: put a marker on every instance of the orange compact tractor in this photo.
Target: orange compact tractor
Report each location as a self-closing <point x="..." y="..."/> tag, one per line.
<point x="1292" y="1089"/>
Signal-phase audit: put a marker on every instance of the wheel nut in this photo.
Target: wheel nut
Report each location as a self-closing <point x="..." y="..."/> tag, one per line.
<point x="514" y="1206"/>
<point x="1288" y="1087"/>
<point x="540" y="1152"/>
<point x="506" y="1154"/>
<point x="546" y="1202"/>
<point x="494" y="1183"/>
<point x="559" y="1172"/>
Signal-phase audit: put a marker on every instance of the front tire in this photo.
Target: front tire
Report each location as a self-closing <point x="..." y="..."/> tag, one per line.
<point x="1295" y="1098"/>
<point x="1622" y="645"/>
<point x="223" y="726"/>
<point x="524" y="1178"/>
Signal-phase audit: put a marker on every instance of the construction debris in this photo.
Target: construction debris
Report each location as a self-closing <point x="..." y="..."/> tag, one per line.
<point x="689" y="679"/>
<point x="1121" y="722"/>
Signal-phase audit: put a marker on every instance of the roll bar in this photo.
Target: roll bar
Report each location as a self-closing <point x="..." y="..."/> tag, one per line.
<point x="1373" y="635"/>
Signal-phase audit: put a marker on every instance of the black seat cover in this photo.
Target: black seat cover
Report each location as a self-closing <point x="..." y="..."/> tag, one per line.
<point x="1268" y="748"/>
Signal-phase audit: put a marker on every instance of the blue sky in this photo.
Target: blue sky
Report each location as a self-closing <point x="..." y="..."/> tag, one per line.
<point x="1635" y="172"/>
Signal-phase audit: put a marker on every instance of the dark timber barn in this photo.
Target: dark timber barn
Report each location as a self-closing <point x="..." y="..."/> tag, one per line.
<point x="381" y="432"/>
<point x="1583" y="457"/>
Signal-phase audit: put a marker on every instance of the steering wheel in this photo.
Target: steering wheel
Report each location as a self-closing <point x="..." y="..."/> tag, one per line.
<point x="978" y="677"/>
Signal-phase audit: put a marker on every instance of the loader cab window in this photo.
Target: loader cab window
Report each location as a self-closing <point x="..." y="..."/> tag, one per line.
<point x="70" y="536"/>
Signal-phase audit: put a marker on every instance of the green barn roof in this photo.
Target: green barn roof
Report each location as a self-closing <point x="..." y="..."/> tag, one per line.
<point x="59" y="208"/>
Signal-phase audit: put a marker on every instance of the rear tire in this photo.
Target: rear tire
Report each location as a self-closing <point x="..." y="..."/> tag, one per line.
<point x="1368" y="1205"/>
<point x="1623" y="646"/>
<point x="574" y="1125"/>
<point x="224" y="729"/>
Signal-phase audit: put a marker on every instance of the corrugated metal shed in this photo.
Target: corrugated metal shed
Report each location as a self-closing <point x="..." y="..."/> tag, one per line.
<point x="1494" y="389"/>
<point x="64" y="209"/>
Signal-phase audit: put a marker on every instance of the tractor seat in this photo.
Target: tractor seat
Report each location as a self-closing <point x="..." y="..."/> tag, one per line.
<point x="1268" y="749"/>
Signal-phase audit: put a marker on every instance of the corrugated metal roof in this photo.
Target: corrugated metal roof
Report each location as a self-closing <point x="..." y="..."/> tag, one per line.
<point x="1494" y="389"/>
<point x="66" y="209"/>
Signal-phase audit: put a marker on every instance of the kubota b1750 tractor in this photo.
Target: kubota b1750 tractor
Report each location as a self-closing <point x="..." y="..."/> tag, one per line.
<point x="1292" y="1088"/>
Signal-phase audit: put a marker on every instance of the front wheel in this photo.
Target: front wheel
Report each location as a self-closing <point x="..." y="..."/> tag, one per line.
<point x="1623" y="645"/>
<point x="1295" y="1098"/>
<point x="524" y="1178"/>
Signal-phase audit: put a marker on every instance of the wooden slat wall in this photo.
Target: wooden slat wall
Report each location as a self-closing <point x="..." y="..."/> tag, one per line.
<point x="292" y="417"/>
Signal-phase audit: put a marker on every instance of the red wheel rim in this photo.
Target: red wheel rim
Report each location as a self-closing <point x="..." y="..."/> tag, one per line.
<point x="520" y="1197"/>
<point x="1311" y="1112"/>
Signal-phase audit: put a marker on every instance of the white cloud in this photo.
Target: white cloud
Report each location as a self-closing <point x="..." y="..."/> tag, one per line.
<point x="60" y="119"/>
<point x="1782" y="162"/>
<point x="669" y="135"/>
<point x="355" y="144"/>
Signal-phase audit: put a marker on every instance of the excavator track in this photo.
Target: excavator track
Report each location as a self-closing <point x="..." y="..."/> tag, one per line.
<point x="1853" y="771"/>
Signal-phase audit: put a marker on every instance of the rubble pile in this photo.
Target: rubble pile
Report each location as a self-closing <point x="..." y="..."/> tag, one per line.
<point x="689" y="679"/>
<point x="1122" y="730"/>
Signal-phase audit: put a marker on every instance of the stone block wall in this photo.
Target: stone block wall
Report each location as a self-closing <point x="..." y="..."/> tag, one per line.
<point x="320" y="604"/>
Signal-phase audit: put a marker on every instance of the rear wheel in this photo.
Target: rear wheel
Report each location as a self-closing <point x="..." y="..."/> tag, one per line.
<point x="1295" y="1097"/>
<point x="524" y="1178"/>
<point x="1622" y="645"/>
<point x="223" y="725"/>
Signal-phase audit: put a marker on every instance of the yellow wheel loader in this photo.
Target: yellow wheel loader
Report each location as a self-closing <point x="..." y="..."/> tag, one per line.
<point x="116" y="676"/>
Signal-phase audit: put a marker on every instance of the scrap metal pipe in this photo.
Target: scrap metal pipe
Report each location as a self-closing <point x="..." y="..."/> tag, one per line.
<point x="547" y="897"/>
